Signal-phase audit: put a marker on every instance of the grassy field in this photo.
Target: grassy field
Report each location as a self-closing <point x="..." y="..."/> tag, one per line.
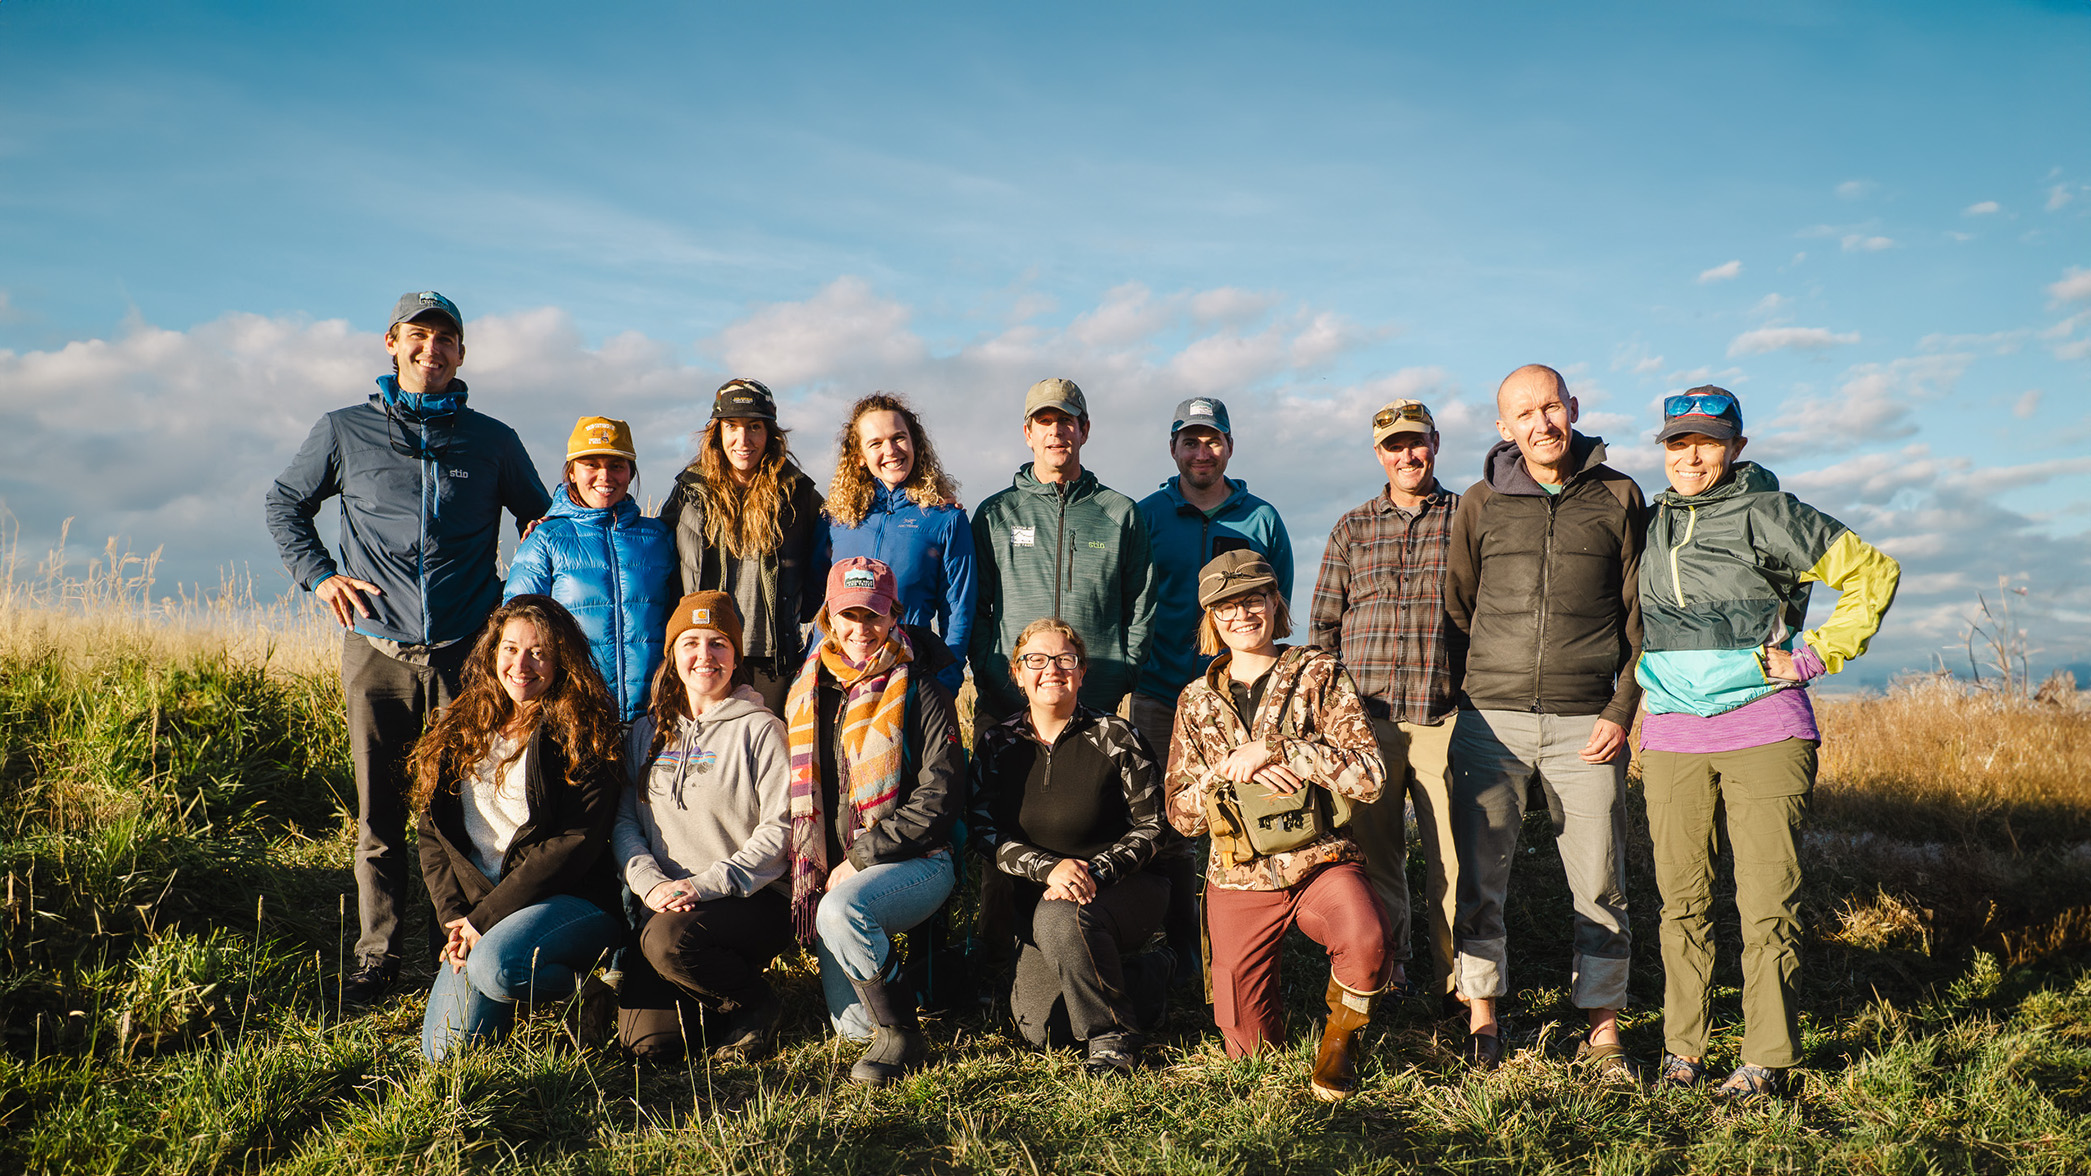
<point x="175" y="844"/>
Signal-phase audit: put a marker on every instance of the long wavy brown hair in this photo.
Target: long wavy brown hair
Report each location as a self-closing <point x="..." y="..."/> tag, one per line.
<point x="851" y="490"/>
<point x="575" y="708"/>
<point x="747" y="521"/>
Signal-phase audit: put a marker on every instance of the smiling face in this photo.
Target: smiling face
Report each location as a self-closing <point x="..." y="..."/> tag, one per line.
<point x="599" y="482"/>
<point x="744" y="441"/>
<point x="704" y="660"/>
<point x="427" y="352"/>
<point x="1201" y="454"/>
<point x="1246" y="623"/>
<point x="1410" y="460"/>
<point x="1055" y="440"/>
<point x="886" y="446"/>
<point x="1052" y="687"/>
<point x="1535" y="412"/>
<point x="522" y="662"/>
<point x="860" y="632"/>
<point x="1696" y="462"/>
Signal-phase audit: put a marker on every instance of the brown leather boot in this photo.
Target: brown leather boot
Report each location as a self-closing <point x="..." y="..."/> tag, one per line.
<point x="1335" y="1074"/>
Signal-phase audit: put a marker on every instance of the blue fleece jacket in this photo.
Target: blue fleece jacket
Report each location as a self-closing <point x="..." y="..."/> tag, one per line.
<point x="615" y="570"/>
<point x="423" y="525"/>
<point x="930" y="550"/>
<point x="1184" y="539"/>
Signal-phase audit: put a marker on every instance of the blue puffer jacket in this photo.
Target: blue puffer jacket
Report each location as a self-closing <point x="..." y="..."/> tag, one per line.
<point x="931" y="553"/>
<point x="613" y="569"/>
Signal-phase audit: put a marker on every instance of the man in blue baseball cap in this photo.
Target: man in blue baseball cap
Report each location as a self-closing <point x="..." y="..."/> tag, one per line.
<point x="1196" y="515"/>
<point x="423" y="480"/>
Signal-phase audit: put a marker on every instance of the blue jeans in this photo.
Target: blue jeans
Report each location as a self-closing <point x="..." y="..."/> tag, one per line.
<point x="535" y="954"/>
<point x="854" y="922"/>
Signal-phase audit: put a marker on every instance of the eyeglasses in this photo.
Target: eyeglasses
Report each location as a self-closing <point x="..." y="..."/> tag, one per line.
<point x="1407" y="412"/>
<point x="1039" y="661"/>
<point x="1248" y="605"/>
<point x="1711" y="404"/>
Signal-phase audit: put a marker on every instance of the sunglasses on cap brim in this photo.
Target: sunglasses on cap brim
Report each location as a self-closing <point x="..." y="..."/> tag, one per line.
<point x="1407" y="412"/>
<point x="1713" y="404"/>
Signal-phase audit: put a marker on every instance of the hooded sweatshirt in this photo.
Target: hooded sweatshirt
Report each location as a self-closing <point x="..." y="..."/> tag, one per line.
<point x="423" y="525"/>
<point x="1183" y="539"/>
<point x="930" y="550"/>
<point x="614" y="570"/>
<point x="1077" y="551"/>
<point x="1542" y="591"/>
<point x="713" y="807"/>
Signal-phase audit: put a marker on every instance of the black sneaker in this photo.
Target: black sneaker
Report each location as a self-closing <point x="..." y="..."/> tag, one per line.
<point x="369" y="982"/>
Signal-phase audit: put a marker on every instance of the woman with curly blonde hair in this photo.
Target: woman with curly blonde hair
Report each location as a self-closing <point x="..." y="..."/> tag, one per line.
<point x="517" y="785"/>
<point x="891" y="501"/>
<point x="747" y="523"/>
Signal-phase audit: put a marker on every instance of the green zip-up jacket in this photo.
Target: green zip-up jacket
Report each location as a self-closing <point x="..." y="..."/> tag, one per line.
<point x="1727" y="574"/>
<point x="1077" y="551"/>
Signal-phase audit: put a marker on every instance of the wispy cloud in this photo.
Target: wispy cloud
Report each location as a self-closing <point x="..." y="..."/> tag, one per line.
<point x="1855" y="189"/>
<point x="1862" y="243"/>
<point x="2027" y="405"/>
<point x="1721" y="272"/>
<point x="2074" y="286"/>
<point x="1765" y="339"/>
<point x="1982" y="208"/>
<point x="2058" y="197"/>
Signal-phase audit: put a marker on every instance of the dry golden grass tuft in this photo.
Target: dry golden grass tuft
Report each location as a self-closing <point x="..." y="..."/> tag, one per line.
<point x="1933" y="760"/>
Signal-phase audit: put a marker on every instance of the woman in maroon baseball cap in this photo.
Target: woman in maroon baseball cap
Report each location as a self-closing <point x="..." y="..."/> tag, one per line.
<point x="877" y="780"/>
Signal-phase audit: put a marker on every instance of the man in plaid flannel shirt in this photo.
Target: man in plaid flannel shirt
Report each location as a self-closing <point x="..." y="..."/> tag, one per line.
<point x="1379" y="604"/>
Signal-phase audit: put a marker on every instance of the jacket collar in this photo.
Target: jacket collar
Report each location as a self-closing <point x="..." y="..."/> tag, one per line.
<point x="1505" y="467"/>
<point x="418" y="407"/>
<point x="564" y="506"/>
<point x="1079" y="489"/>
<point x="1236" y="490"/>
<point x="1744" y="477"/>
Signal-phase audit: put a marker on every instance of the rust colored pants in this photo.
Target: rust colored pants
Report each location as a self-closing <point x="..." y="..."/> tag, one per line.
<point x="1335" y="906"/>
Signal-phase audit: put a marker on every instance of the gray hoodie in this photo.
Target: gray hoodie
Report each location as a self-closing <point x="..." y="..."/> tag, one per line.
<point x="713" y="808"/>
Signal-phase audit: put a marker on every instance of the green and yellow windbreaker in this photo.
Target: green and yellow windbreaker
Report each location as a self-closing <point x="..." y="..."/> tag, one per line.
<point x="1727" y="575"/>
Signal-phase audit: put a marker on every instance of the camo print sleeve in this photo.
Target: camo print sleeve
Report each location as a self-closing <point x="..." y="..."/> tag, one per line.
<point x="1143" y="801"/>
<point x="1195" y="745"/>
<point x="1328" y="738"/>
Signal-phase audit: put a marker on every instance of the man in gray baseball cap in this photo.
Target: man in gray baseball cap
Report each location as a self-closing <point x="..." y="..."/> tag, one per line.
<point x="412" y="583"/>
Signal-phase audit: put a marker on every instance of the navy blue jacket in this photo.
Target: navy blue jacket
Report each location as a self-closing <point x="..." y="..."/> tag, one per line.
<point x="615" y="570"/>
<point x="424" y="525"/>
<point x="931" y="553"/>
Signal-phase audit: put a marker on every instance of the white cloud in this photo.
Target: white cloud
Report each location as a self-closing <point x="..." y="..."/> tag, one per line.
<point x="2075" y="286"/>
<point x="1982" y="208"/>
<point x="1770" y="305"/>
<point x="1228" y="305"/>
<point x="1998" y="342"/>
<point x="1765" y="339"/>
<point x="1861" y="243"/>
<point x="1721" y="272"/>
<point x="1877" y="401"/>
<point x="843" y="326"/>
<point x="1854" y="189"/>
<point x="2059" y="196"/>
<point x="2027" y="405"/>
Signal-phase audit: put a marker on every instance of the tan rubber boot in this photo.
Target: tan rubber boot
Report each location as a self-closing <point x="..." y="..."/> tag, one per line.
<point x="1335" y="1073"/>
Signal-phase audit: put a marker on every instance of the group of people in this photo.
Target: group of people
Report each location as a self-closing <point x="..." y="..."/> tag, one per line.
<point x="669" y="748"/>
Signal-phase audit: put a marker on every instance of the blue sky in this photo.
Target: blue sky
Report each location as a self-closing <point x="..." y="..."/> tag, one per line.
<point x="1872" y="221"/>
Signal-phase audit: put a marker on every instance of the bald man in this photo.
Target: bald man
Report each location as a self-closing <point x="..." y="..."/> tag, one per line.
<point x="1542" y="600"/>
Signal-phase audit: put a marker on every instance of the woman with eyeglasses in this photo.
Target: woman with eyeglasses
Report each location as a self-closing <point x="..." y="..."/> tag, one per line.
<point x="1268" y="726"/>
<point x="517" y="786"/>
<point x="1725" y="662"/>
<point x="877" y="780"/>
<point x="1067" y="801"/>
<point x="611" y="566"/>
<point x="890" y="500"/>
<point x="747" y="523"/>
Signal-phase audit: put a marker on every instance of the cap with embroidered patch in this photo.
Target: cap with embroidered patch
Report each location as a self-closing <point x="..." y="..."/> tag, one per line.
<point x="861" y="582"/>
<point x="601" y="437"/>
<point x="743" y="399"/>
<point x="421" y="304"/>
<point x="1201" y="410"/>
<point x="705" y="610"/>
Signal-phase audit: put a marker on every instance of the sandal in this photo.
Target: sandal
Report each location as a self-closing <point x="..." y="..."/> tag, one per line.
<point x="1750" y="1084"/>
<point x="1679" y="1073"/>
<point x="1608" y="1063"/>
<point x="1485" y="1050"/>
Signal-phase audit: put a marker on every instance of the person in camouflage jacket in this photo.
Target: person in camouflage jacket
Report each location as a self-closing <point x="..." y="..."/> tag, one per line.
<point x="1279" y="718"/>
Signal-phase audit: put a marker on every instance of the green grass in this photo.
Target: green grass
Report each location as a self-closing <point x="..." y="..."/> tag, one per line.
<point x="177" y="860"/>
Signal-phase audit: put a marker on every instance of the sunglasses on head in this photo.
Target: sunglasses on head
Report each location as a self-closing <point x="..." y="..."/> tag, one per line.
<point x="1711" y="404"/>
<point x="1407" y="412"/>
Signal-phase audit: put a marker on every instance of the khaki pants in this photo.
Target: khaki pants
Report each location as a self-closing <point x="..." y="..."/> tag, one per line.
<point x="1417" y="759"/>
<point x="1765" y="792"/>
